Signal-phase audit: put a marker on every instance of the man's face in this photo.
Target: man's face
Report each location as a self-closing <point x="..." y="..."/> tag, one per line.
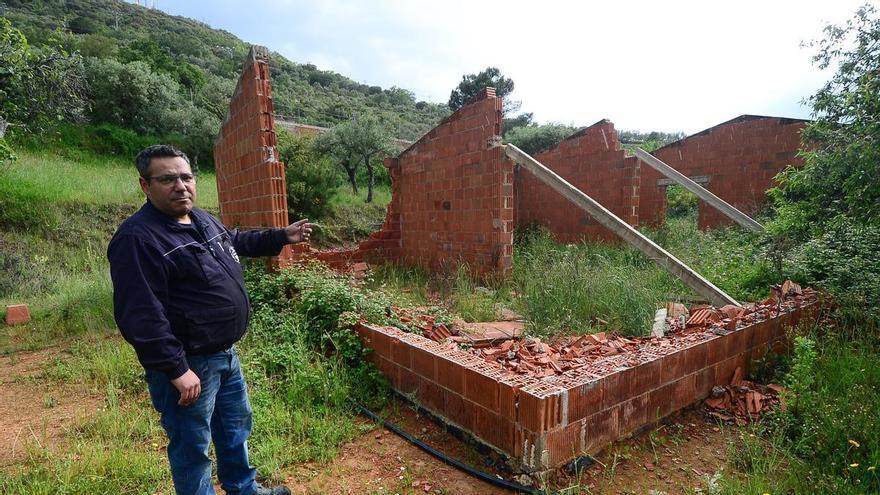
<point x="175" y="198"/>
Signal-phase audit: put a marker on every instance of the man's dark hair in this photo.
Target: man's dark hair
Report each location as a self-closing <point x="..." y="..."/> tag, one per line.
<point x="142" y="161"/>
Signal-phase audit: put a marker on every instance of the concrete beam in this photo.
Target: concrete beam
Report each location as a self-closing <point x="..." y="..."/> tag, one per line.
<point x="615" y="224"/>
<point x="699" y="179"/>
<point x="702" y="193"/>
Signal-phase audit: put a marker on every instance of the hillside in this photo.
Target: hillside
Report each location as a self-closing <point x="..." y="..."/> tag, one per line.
<point x="204" y="64"/>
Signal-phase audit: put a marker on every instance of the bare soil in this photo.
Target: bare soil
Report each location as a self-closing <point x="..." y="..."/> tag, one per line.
<point x="33" y="414"/>
<point x="675" y="457"/>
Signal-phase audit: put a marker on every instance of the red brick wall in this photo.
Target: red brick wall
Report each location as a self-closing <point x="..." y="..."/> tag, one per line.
<point x="454" y="192"/>
<point x="250" y="179"/>
<point x="592" y="161"/>
<point x="544" y="423"/>
<point x="740" y="157"/>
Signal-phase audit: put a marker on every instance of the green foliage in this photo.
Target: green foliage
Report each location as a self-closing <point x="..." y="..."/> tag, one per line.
<point x="311" y="181"/>
<point x="39" y="86"/>
<point x="844" y="260"/>
<point x="7" y="155"/>
<point x="83" y="142"/>
<point x="133" y="96"/>
<point x="680" y="202"/>
<point x="350" y="219"/>
<point x="362" y="141"/>
<point x="24" y="207"/>
<point x="187" y="75"/>
<point x="472" y="84"/>
<point x="800" y="377"/>
<point x="841" y="175"/>
<point x="828" y="209"/>
<point x="535" y="138"/>
<point x="320" y="297"/>
<point x="826" y="440"/>
<point x="569" y="289"/>
<point x="648" y="141"/>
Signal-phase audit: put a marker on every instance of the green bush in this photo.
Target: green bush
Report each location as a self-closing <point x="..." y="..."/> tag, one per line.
<point x="833" y="420"/>
<point x="681" y="203"/>
<point x="7" y="154"/>
<point x="311" y="180"/>
<point x="84" y="142"/>
<point x="845" y="260"/>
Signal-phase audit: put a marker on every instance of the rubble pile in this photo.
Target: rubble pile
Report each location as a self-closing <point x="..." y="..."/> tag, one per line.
<point x="742" y="401"/>
<point x="680" y="325"/>
<point x="532" y="356"/>
<point x="424" y="323"/>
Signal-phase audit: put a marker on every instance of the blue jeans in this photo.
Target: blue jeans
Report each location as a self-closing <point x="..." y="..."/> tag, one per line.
<point x="221" y="412"/>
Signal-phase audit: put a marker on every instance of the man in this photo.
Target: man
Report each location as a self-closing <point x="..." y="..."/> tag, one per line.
<point x="179" y="299"/>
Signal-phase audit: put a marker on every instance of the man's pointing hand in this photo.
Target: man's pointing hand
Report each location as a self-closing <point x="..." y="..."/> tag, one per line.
<point x="299" y="231"/>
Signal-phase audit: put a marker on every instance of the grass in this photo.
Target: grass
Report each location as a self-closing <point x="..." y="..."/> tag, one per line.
<point x="351" y="218"/>
<point x="92" y="180"/>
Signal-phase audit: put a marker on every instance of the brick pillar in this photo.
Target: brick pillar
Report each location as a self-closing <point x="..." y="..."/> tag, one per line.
<point x="250" y="178"/>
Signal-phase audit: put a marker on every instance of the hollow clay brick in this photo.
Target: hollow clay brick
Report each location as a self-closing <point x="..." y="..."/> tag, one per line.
<point x="17" y="314"/>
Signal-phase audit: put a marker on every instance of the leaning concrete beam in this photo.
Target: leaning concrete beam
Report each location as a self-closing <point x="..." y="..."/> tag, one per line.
<point x="632" y="236"/>
<point x="701" y="192"/>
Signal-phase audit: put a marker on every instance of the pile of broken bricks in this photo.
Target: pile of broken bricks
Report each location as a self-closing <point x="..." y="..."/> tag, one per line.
<point x="742" y="401"/>
<point x="531" y="356"/>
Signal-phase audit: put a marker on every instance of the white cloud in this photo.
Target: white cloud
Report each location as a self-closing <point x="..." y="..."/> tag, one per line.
<point x="683" y="65"/>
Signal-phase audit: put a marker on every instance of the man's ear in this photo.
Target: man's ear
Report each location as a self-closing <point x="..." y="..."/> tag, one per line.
<point x="145" y="186"/>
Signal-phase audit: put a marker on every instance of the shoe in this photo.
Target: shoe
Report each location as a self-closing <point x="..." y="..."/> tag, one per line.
<point x="275" y="490"/>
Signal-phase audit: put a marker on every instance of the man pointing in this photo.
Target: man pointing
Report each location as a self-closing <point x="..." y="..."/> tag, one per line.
<point x="179" y="299"/>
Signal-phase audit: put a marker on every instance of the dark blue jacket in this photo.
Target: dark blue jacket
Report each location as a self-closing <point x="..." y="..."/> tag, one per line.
<point x="178" y="289"/>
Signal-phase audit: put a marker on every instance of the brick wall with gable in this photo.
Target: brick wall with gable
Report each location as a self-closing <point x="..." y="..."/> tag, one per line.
<point x="592" y="161"/>
<point x="740" y="158"/>
<point x="453" y="193"/>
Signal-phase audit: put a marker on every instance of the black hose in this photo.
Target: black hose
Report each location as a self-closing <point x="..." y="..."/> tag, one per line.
<point x="509" y="485"/>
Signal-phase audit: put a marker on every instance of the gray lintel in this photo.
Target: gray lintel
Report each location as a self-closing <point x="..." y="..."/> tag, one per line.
<point x="701" y="192"/>
<point x="699" y="179"/>
<point x="626" y="232"/>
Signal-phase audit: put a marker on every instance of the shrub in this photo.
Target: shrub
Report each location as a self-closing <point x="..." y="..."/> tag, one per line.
<point x="845" y="260"/>
<point x="680" y="202"/>
<point x="311" y="180"/>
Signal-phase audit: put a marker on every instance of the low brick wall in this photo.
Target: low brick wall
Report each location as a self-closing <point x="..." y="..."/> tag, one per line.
<point x="543" y="423"/>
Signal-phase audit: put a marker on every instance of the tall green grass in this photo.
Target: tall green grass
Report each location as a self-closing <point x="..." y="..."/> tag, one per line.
<point x="57" y="215"/>
<point x="90" y="179"/>
<point x="587" y="287"/>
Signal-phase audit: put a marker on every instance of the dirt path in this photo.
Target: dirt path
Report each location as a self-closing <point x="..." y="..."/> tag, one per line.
<point x="33" y="414"/>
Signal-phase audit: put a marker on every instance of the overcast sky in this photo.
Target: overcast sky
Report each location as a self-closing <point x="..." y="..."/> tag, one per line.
<point x="652" y="65"/>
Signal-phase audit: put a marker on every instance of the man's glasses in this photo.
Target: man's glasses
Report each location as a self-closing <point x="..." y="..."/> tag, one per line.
<point x="167" y="180"/>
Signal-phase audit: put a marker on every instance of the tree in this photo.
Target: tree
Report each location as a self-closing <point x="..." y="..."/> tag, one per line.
<point x="533" y="139"/>
<point x="38" y="87"/>
<point x="357" y="142"/>
<point x="330" y="144"/>
<point x="471" y="85"/>
<point x="366" y="139"/>
<point x="311" y="181"/>
<point x="829" y="209"/>
<point x="841" y="175"/>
